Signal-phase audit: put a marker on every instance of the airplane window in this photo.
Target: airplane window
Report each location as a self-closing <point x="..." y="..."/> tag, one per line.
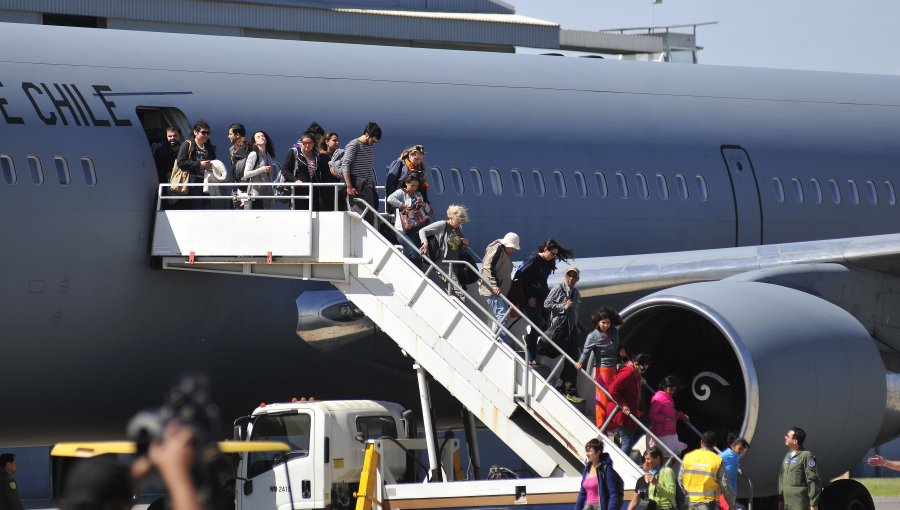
<point x="560" y="181"/>
<point x="854" y="192"/>
<point x="538" y="178"/>
<point x="437" y="180"/>
<point x="456" y="179"/>
<point x="704" y="189"/>
<point x="871" y="193"/>
<point x="9" y="169"/>
<point x="518" y="182"/>
<point x="662" y="187"/>
<point x="87" y="170"/>
<point x="817" y="190"/>
<point x="600" y="179"/>
<point x="496" y="181"/>
<point x="642" y="186"/>
<point x="623" y="185"/>
<point x="779" y="189"/>
<point x="477" y="183"/>
<point x="580" y="184"/>
<point x="797" y="186"/>
<point x="889" y="191"/>
<point x="835" y="191"/>
<point x="62" y="170"/>
<point x="37" y="173"/>
<point x="681" y="183"/>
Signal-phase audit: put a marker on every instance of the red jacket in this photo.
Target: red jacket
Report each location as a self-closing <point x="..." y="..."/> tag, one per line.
<point x="626" y="391"/>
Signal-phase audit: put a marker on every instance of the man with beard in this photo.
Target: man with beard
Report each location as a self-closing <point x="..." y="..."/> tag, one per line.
<point x="164" y="153"/>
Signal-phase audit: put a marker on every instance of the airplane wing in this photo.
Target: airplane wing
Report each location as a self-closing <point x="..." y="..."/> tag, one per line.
<point x="608" y="276"/>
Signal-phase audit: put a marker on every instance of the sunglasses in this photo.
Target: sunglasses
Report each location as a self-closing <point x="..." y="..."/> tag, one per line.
<point x="203" y="132"/>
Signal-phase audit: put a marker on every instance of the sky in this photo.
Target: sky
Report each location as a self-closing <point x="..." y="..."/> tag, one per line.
<point x="859" y="36"/>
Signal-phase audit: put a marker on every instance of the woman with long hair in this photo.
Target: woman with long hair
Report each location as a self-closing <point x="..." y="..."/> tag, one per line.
<point x="258" y="171"/>
<point x="329" y="143"/>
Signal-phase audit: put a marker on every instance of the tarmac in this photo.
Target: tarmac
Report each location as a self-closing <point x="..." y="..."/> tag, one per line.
<point x="880" y="504"/>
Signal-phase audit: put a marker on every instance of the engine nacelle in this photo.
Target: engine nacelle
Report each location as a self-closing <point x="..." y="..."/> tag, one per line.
<point x="759" y="359"/>
<point x="327" y="320"/>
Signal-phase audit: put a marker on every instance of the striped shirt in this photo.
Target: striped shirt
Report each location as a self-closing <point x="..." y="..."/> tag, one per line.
<point x="359" y="160"/>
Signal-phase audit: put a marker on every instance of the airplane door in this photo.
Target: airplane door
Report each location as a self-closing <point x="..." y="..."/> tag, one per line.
<point x="748" y="213"/>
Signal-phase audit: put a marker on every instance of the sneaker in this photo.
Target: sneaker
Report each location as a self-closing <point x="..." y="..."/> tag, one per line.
<point x="575" y="399"/>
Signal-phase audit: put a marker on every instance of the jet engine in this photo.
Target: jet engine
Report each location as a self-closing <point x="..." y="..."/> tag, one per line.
<point x="328" y="320"/>
<point x="757" y="359"/>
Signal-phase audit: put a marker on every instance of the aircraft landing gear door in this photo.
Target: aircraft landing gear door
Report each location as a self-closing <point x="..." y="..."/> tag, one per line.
<point x="748" y="213"/>
<point x="279" y="479"/>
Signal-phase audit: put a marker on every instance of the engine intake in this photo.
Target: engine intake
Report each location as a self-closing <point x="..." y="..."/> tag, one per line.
<point x="760" y="358"/>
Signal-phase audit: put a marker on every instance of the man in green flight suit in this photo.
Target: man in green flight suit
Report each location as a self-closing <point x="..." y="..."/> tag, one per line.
<point x="9" y="491"/>
<point x="798" y="481"/>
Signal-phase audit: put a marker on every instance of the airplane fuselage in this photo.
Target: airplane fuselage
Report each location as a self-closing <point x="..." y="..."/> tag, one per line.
<point x="610" y="158"/>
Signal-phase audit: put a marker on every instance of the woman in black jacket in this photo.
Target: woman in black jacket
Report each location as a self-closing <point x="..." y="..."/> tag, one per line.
<point x="302" y="164"/>
<point x="194" y="156"/>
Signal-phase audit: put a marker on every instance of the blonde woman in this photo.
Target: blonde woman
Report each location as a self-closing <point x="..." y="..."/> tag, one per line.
<point x="448" y="240"/>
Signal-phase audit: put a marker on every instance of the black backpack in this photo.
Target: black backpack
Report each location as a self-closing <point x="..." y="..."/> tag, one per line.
<point x="239" y="161"/>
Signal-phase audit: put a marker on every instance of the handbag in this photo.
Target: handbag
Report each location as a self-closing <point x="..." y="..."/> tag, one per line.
<point x="559" y="333"/>
<point x="464" y="274"/>
<point x="179" y="177"/>
<point x="413" y="218"/>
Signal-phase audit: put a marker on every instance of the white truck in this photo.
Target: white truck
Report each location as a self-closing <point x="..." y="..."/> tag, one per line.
<point x="329" y="440"/>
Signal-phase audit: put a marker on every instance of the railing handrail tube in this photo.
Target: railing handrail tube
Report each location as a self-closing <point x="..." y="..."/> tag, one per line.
<point x="500" y="327"/>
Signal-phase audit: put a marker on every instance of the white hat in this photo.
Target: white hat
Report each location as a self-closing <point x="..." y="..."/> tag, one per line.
<point x="219" y="172"/>
<point x="573" y="269"/>
<point x="511" y="240"/>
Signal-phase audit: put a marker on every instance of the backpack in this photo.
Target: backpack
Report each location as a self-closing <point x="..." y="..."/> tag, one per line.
<point x="239" y="161"/>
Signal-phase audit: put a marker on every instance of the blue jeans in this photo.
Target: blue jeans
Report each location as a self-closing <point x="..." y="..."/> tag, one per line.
<point x="629" y="437"/>
<point x="411" y="254"/>
<point x="501" y="313"/>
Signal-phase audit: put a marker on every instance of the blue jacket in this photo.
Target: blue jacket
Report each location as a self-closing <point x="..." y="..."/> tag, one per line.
<point x="610" y="485"/>
<point x="730" y="462"/>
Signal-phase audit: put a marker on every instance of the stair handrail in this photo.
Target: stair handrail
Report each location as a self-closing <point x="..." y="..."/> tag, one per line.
<point x="502" y="328"/>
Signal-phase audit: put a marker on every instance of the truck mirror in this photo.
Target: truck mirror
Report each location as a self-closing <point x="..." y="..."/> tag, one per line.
<point x="359" y="438"/>
<point x="240" y="428"/>
<point x="248" y="487"/>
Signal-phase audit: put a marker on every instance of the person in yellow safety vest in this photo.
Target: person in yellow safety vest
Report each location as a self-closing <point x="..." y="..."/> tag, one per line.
<point x="703" y="476"/>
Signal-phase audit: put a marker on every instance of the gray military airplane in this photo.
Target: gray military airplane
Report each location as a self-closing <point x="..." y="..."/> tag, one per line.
<point x="775" y="190"/>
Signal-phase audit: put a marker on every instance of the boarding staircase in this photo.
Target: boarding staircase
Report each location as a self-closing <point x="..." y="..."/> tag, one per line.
<point x="444" y="335"/>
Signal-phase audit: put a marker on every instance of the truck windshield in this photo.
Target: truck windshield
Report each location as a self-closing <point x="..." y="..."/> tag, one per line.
<point x="293" y="429"/>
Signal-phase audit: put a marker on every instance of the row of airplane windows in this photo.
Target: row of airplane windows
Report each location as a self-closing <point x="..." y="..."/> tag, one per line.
<point x="563" y="184"/>
<point x="36" y="170"/>
<point x="856" y="192"/>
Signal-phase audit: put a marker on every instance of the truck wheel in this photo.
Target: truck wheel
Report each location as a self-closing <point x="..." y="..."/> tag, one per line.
<point x="846" y="495"/>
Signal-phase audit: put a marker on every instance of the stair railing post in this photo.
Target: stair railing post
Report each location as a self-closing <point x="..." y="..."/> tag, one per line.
<point x="425" y="398"/>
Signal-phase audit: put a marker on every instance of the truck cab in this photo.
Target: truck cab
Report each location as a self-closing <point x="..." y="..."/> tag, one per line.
<point x="323" y="466"/>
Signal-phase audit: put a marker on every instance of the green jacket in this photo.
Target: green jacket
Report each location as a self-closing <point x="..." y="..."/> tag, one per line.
<point x="798" y="481"/>
<point x="663" y="491"/>
<point x="9" y="493"/>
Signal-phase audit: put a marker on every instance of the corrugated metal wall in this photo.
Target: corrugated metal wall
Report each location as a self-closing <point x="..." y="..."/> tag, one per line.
<point x="469" y="22"/>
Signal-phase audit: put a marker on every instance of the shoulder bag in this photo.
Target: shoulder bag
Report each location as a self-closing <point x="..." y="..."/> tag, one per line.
<point x="414" y="218"/>
<point x="179" y="177"/>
